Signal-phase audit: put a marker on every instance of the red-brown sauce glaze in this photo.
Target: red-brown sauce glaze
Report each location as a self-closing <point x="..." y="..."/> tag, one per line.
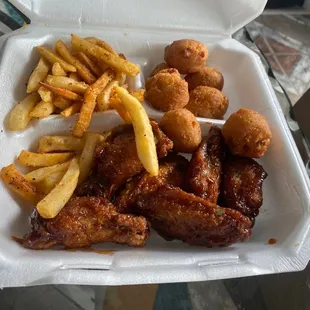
<point x="272" y="241"/>
<point x="18" y="240"/>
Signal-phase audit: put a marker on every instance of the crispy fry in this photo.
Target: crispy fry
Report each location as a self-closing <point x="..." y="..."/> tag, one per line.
<point x="19" y="116"/>
<point x="48" y="183"/>
<point x="89" y="102"/>
<point x="89" y="63"/>
<point x="57" y="70"/>
<point x="51" y="57"/>
<point x="101" y="43"/>
<point x="145" y="141"/>
<point x="67" y="83"/>
<point x="112" y="60"/>
<point x="40" y="174"/>
<point x="104" y="96"/>
<point x="42" y="160"/>
<point x="86" y="160"/>
<point x="117" y="104"/>
<point x="68" y="94"/>
<point x="75" y="76"/>
<point x="38" y="75"/>
<point x="51" y="204"/>
<point x="42" y="109"/>
<point x="60" y="143"/>
<point x="61" y="102"/>
<point x="138" y="94"/>
<point x="120" y="76"/>
<point x="85" y="74"/>
<point x="17" y="183"/>
<point x="74" y="108"/>
<point x="45" y="94"/>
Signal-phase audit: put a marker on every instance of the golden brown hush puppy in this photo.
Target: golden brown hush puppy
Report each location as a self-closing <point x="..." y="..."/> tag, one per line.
<point x="208" y="102"/>
<point x="183" y="129"/>
<point x="186" y="55"/>
<point x="159" y="68"/>
<point x="205" y="77"/>
<point x="167" y="90"/>
<point x="247" y="133"/>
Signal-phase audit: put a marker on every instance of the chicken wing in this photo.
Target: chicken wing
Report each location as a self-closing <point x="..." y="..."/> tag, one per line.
<point x="85" y="221"/>
<point x="242" y="183"/>
<point x="172" y="170"/>
<point x="175" y="214"/>
<point x="116" y="161"/>
<point x="205" y="168"/>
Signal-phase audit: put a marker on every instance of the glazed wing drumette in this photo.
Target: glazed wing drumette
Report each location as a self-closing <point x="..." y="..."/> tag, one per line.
<point x="175" y="214"/>
<point x="205" y="168"/>
<point x="85" y="221"/>
<point x="172" y="170"/>
<point x="242" y="183"/>
<point x="116" y="161"/>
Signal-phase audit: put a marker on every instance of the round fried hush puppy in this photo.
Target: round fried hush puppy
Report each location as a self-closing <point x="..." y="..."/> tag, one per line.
<point x="247" y="133"/>
<point x="205" y="77"/>
<point x="186" y="55"/>
<point x="167" y="90"/>
<point x="159" y="68"/>
<point x="183" y="129"/>
<point x="208" y="102"/>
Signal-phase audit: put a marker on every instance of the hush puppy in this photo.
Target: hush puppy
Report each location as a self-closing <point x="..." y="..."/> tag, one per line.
<point x="186" y="55"/>
<point x="208" y="102"/>
<point x="167" y="90"/>
<point x="247" y="133"/>
<point x="205" y="77"/>
<point x="183" y="129"/>
<point x="159" y="68"/>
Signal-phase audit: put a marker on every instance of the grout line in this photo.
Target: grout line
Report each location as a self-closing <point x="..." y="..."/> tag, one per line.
<point x="279" y="64"/>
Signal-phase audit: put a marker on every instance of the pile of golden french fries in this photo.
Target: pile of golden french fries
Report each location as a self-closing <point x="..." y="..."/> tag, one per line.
<point x="91" y="78"/>
<point x="77" y="80"/>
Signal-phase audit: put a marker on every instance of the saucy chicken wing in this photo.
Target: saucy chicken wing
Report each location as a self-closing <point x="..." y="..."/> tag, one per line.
<point x="85" y="221"/>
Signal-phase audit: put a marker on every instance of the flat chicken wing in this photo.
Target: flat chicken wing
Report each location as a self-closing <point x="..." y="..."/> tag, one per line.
<point x="205" y="168"/>
<point x="116" y="161"/>
<point x="172" y="170"/>
<point x="175" y="214"/>
<point x="242" y="183"/>
<point x="85" y="221"/>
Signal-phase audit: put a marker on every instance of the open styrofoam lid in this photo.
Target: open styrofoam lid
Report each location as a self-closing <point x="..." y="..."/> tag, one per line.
<point x="215" y="17"/>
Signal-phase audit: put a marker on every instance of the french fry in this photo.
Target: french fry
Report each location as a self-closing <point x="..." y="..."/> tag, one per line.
<point x="19" y="116"/>
<point x="101" y="54"/>
<point x="86" y="160"/>
<point x="42" y="109"/>
<point x="40" y="174"/>
<point x="88" y="63"/>
<point x="145" y="141"/>
<point x="18" y="184"/>
<point x="138" y="94"/>
<point x="67" y="83"/>
<point x="52" y="204"/>
<point x="48" y="183"/>
<point x="38" y="75"/>
<point x="45" y="94"/>
<point x="101" y="43"/>
<point x="120" y="109"/>
<point x="89" y="102"/>
<point x="60" y="143"/>
<point x="68" y="94"/>
<point x="61" y="102"/>
<point x="104" y="96"/>
<point x="120" y="76"/>
<point x="51" y="57"/>
<point x="85" y="74"/>
<point x="57" y="70"/>
<point x="74" y="76"/>
<point x="31" y="159"/>
<point x="74" y="108"/>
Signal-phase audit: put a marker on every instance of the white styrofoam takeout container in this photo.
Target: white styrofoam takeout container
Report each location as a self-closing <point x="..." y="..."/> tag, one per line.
<point x="141" y="30"/>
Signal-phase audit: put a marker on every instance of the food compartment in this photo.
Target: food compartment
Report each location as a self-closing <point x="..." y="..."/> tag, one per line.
<point x="283" y="216"/>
